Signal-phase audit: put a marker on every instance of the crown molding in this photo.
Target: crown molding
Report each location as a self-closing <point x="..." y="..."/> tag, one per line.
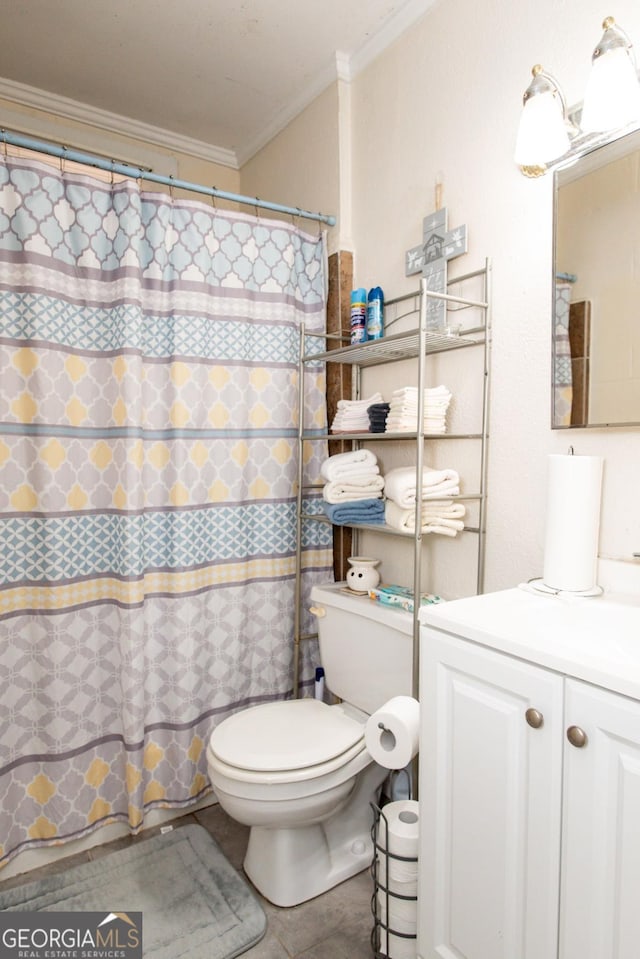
<point x="294" y="107"/>
<point x="410" y="12"/>
<point x="344" y="67"/>
<point x="37" y="99"/>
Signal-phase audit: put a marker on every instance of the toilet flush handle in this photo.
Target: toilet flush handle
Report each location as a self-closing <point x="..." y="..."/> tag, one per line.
<point x="318" y="611"/>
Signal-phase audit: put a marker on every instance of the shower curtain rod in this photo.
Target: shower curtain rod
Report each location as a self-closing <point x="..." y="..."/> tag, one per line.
<point x="139" y="173"/>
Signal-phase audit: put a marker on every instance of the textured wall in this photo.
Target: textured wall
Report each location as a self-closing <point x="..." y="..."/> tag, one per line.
<point x="445" y="100"/>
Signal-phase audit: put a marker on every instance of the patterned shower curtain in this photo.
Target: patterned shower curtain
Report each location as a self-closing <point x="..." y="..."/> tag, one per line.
<point x="148" y="421"/>
<point x="562" y="371"/>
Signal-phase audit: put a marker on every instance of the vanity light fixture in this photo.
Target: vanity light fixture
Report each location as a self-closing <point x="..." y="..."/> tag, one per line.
<point x="612" y="97"/>
<point x="611" y="102"/>
<point x="543" y="134"/>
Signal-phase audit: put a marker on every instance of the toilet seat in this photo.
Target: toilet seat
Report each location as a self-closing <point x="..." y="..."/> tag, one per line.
<point x="327" y="731"/>
<point x="285" y="736"/>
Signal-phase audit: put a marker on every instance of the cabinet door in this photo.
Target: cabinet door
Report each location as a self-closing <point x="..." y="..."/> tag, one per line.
<point x="600" y="896"/>
<point x="490" y="797"/>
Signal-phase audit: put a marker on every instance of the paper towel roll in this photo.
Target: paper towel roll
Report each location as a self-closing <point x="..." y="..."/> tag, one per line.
<point x="573" y="522"/>
<point x="392" y="733"/>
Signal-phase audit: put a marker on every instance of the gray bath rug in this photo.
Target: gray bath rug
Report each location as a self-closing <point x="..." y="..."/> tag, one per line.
<point x="193" y="902"/>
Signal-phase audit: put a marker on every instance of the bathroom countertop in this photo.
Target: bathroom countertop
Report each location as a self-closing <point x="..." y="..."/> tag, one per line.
<point x="596" y="639"/>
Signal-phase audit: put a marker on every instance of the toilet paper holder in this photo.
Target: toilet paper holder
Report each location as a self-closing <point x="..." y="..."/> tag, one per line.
<point x="387" y="938"/>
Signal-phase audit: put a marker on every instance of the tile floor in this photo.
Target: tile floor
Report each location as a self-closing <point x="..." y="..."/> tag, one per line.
<point x="336" y="925"/>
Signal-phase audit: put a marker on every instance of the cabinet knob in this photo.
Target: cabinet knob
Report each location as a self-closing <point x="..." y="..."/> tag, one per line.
<point x="577" y="737"/>
<point x="534" y="717"/>
<point x="318" y="611"/>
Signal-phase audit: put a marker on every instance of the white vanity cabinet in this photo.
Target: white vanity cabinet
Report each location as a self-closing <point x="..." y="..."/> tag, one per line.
<point x="529" y="780"/>
<point x="600" y="876"/>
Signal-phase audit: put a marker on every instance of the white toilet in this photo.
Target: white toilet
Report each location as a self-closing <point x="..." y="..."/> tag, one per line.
<point x="298" y="771"/>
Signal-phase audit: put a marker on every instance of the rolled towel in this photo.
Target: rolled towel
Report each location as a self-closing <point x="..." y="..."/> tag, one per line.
<point x="404" y="518"/>
<point x="358" y="511"/>
<point x="352" y="488"/>
<point x="354" y="462"/>
<point x="400" y="484"/>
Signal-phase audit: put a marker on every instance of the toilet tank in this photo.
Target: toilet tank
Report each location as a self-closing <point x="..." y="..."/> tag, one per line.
<point x="366" y="649"/>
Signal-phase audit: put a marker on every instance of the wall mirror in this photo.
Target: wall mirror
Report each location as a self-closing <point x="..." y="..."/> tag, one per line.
<point x="596" y="286"/>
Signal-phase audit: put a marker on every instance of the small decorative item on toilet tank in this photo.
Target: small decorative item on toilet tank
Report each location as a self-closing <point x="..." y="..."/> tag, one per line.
<point x="363" y="574"/>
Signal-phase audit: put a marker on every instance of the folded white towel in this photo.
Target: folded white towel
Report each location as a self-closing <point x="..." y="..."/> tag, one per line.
<point x="400" y="484"/>
<point x="443" y="509"/>
<point x="406" y="424"/>
<point x="410" y="394"/>
<point x="403" y="410"/>
<point x="353" y="488"/>
<point x="359" y="404"/>
<point x="404" y="518"/>
<point x="354" y="462"/>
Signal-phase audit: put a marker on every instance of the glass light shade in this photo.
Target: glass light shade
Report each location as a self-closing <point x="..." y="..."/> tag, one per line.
<point x="612" y="97"/>
<point x="542" y="134"/>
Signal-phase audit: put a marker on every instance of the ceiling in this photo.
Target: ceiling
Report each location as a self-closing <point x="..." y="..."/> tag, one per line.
<point x="227" y="73"/>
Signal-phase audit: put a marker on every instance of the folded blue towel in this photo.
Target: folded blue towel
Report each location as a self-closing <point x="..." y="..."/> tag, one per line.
<point x="356" y="511"/>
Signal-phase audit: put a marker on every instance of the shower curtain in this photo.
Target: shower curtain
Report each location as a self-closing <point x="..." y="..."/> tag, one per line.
<point x="562" y="372"/>
<point x="148" y="423"/>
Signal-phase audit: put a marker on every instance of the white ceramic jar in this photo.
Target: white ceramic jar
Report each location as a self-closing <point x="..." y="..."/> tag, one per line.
<point x="363" y="574"/>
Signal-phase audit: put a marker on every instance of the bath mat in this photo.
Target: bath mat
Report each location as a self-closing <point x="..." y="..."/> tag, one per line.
<point x="193" y="902"/>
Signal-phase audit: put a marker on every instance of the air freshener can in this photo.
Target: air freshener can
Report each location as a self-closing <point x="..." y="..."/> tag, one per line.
<point x="375" y="316"/>
<point x="358" y="315"/>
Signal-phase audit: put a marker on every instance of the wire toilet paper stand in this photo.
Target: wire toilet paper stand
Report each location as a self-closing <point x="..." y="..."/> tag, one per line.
<point x="388" y="942"/>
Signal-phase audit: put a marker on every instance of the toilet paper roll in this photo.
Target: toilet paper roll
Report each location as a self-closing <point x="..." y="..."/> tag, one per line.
<point x="573" y="522"/>
<point x="397" y="835"/>
<point x="392" y="733"/>
<point x="396" y="947"/>
<point x="403" y="913"/>
<point x="400" y="878"/>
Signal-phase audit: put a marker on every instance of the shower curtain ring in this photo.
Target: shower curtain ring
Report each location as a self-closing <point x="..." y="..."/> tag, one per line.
<point x="63" y="159"/>
<point x="213" y="198"/>
<point x="257" y="199"/>
<point x="4" y="144"/>
<point x="171" y="188"/>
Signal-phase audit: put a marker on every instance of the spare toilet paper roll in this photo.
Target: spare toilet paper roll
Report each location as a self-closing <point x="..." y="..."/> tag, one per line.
<point x="573" y="522"/>
<point x="397" y="839"/>
<point x="400" y="882"/>
<point x="403" y="913"/>
<point x="392" y="733"/>
<point x="396" y="947"/>
<point x="398" y="833"/>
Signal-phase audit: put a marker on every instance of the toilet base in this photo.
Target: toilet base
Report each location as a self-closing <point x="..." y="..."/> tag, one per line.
<point x="291" y="865"/>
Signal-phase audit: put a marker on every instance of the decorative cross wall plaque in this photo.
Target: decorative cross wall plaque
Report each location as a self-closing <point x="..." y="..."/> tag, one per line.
<point x="438" y="246"/>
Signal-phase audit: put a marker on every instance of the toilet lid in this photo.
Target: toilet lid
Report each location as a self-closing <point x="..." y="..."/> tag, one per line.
<point x="285" y="735"/>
